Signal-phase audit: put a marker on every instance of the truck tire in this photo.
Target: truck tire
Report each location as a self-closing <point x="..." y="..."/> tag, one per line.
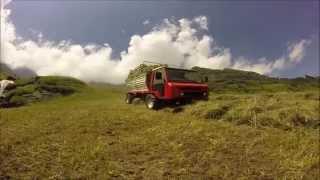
<point x="151" y="102"/>
<point x="129" y="98"/>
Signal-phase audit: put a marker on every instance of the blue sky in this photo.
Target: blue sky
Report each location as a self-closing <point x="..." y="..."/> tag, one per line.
<point x="250" y="29"/>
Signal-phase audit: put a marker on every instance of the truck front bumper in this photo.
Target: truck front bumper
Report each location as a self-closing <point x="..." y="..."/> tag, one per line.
<point x="194" y="95"/>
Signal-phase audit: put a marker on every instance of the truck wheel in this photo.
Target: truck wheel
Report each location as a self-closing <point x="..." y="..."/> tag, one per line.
<point x="129" y="98"/>
<point x="151" y="102"/>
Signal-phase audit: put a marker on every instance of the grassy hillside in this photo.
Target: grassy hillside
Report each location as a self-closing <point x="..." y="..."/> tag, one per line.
<point x="231" y="80"/>
<point x="27" y="90"/>
<point x="93" y="134"/>
<point x="252" y="127"/>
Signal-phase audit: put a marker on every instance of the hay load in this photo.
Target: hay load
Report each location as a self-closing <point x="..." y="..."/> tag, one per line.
<point x="137" y="78"/>
<point x="141" y="69"/>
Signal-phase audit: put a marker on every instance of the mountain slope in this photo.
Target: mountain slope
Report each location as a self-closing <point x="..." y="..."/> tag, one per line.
<point x="95" y="135"/>
<point x="231" y="80"/>
<point x="27" y="90"/>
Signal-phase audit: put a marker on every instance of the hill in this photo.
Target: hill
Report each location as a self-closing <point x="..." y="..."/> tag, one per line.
<point x="31" y="88"/>
<point x="95" y="135"/>
<point x="231" y="80"/>
<point x="27" y="90"/>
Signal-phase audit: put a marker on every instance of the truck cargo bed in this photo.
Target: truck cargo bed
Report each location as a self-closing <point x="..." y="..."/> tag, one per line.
<point x="138" y="83"/>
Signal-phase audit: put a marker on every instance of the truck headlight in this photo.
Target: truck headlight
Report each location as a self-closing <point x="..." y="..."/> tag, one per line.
<point x="182" y="94"/>
<point x="204" y="93"/>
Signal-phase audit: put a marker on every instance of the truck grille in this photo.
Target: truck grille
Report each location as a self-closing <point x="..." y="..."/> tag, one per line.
<point x="193" y="94"/>
<point x="192" y="89"/>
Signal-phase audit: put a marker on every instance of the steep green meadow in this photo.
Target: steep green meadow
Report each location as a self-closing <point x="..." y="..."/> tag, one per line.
<point x="238" y="81"/>
<point x="93" y="134"/>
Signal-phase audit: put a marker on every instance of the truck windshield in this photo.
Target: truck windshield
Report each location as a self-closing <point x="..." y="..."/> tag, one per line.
<point x="183" y="75"/>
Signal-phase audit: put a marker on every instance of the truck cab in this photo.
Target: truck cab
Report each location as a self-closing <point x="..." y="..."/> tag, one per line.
<point x="172" y="83"/>
<point x="166" y="84"/>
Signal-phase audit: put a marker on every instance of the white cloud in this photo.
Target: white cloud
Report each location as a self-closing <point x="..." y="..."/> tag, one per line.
<point x="202" y="21"/>
<point x="264" y="67"/>
<point x="180" y="43"/>
<point x="279" y="64"/>
<point x="146" y="22"/>
<point x="5" y="2"/>
<point x="297" y="50"/>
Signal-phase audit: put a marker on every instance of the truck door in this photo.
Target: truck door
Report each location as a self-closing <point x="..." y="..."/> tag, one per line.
<point x="158" y="81"/>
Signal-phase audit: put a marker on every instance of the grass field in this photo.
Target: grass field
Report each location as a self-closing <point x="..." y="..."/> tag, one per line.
<point x="95" y="135"/>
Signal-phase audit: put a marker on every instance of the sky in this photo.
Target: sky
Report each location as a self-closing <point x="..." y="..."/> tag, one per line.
<point x="102" y="40"/>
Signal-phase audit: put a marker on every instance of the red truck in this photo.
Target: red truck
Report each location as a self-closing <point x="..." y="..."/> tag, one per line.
<point x="165" y="84"/>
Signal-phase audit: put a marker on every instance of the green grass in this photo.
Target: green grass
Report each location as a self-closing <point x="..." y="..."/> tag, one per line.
<point x="237" y="81"/>
<point x="278" y="110"/>
<point x="95" y="135"/>
<point x="27" y="90"/>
